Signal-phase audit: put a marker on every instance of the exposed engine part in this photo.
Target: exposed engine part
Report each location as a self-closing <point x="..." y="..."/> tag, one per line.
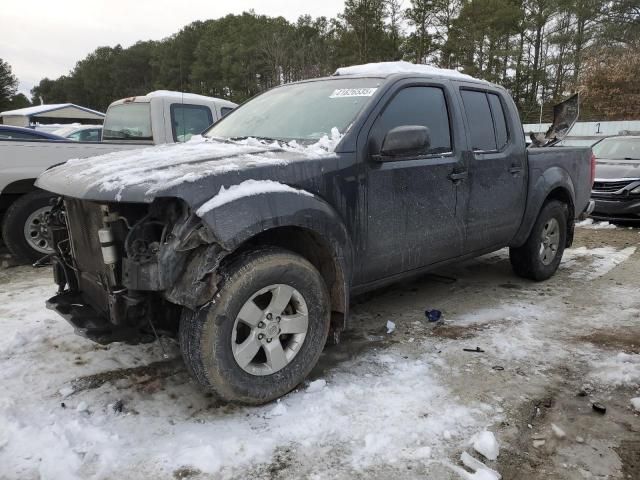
<point x="107" y="245"/>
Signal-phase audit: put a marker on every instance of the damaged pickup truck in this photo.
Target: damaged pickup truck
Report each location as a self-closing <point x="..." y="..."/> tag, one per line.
<point x="247" y="243"/>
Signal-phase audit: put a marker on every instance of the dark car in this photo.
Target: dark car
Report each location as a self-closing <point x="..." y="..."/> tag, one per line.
<point x="616" y="190"/>
<point x="8" y="132"/>
<point x="247" y="244"/>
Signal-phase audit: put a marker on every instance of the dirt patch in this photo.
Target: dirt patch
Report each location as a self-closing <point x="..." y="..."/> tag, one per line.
<point x="146" y="375"/>
<point x="462" y="332"/>
<point x="626" y="340"/>
<point x="456" y="332"/>
<point x="629" y="453"/>
<point x="186" y="472"/>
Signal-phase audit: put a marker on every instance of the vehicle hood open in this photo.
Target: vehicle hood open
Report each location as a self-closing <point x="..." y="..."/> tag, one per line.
<point x="145" y="174"/>
<point x="565" y="115"/>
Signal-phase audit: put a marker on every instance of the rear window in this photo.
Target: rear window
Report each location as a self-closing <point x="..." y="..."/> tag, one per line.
<point x="476" y="106"/>
<point x="189" y="120"/>
<point x="128" y="121"/>
<point x="499" y="120"/>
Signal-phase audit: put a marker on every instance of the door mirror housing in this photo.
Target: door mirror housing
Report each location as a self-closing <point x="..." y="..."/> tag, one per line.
<point x="405" y="140"/>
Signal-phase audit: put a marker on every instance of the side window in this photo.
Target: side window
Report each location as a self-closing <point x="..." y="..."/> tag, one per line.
<point x="499" y="120"/>
<point x="476" y="106"/>
<point x="189" y="120"/>
<point x="90" y="135"/>
<point x="424" y="106"/>
<point x="225" y="110"/>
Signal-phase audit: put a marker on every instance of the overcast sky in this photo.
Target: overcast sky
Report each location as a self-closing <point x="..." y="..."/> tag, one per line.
<point x="43" y="38"/>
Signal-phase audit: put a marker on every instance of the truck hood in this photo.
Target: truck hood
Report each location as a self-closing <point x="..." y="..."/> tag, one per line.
<point x="144" y="174"/>
<point x="609" y="169"/>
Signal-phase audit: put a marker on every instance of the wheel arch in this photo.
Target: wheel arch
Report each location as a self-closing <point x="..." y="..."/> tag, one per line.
<point x="554" y="184"/>
<point x="302" y="223"/>
<point x="319" y="252"/>
<point x="14" y="190"/>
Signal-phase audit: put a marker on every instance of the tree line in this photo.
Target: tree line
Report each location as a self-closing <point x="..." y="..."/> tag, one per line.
<point x="541" y="50"/>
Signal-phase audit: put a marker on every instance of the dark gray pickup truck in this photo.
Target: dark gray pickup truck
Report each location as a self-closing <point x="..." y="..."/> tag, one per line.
<point x="248" y="243"/>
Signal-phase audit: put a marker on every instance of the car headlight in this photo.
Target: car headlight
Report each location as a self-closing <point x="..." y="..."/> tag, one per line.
<point x="635" y="191"/>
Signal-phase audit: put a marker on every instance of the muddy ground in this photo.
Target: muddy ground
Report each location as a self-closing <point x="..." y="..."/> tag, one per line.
<point x="548" y="352"/>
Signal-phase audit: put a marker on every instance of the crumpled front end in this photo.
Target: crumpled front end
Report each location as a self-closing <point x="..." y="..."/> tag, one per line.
<point x="125" y="270"/>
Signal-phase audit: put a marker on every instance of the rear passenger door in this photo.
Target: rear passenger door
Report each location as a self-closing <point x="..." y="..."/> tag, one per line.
<point x="496" y="171"/>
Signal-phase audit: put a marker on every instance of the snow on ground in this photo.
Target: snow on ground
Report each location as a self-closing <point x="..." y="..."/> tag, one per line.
<point x="164" y="428"/>
<point x="589" y="223"/>
<point x="129" y="412"/>
<point x="602" y="260"/>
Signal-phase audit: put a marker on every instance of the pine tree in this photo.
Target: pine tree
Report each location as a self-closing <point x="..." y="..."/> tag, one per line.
<point x="8" y="84"/>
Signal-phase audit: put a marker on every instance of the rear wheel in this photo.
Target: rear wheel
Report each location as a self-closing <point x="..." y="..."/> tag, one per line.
<point x="24" y="230"/>
<point x="540" y="256"/>
<point x="263" y="332"/>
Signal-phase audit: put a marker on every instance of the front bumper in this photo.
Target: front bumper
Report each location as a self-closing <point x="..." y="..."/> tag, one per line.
<point x="623" y="209"/>
<point x="90" y="323"/>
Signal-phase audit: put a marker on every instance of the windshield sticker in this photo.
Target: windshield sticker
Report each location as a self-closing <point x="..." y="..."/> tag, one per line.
<point x="352" y="92"/>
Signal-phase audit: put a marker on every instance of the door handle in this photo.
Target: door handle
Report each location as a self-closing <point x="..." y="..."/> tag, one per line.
<point x="515" y="170"/>
<point x="456" y="177"/>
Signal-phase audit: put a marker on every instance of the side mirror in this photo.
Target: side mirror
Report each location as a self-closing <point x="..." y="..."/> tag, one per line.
<point x="406" y="140"/>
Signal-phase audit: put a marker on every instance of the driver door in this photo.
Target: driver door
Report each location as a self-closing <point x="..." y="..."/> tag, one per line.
<point x="414" y="216"/>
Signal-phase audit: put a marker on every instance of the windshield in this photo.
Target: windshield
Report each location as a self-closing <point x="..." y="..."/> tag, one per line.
<point x="303" y="111"/>
<point x="129" y="121"/>
<point x="618" y="149"/>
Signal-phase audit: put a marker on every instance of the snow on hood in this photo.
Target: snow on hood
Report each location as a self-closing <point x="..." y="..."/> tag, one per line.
<point x="388" y="68"/>
<point x="165" y="166"/>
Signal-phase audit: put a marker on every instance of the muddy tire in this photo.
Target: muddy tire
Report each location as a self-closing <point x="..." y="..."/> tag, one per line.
<point x="539" y="258"/>
<point x="23" y="229"/>
<point x="263" y="332"/>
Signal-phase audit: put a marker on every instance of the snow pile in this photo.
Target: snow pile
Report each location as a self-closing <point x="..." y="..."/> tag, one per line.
<point x="623" y="369"/>
<point x="388" y="68"/>
<point x="391" y="327"/>
<point x="635" y="403"/>
<point x="316" y="386"/>
<point x="603" y="260"/>
<point x="161" y="167"/>
<point x="247" y="188"/>
<point x="485" y="444"/>
<point x="590" y="224"/>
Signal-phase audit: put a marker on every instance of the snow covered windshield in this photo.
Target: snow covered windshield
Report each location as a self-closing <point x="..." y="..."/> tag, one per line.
<point x="303" y="111"/>
<point x="128" y="121"/>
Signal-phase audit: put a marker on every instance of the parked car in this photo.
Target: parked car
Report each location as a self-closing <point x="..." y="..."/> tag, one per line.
<point x="8" y="132"/>
<point x="81" y="133"/>
<point x="248" y="245"/>
<point x="132" y="123"/>
<point x="616" y="190"/>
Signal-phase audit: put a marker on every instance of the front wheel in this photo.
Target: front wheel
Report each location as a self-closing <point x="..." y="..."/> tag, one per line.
<point x="539" y="258"/>
<point x="263" y="332"/>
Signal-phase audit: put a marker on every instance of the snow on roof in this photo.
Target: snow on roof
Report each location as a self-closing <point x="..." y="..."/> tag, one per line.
<point x="388" y="68"/>
<point x="181" y="95"/>
<point x="40" y="109"/>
